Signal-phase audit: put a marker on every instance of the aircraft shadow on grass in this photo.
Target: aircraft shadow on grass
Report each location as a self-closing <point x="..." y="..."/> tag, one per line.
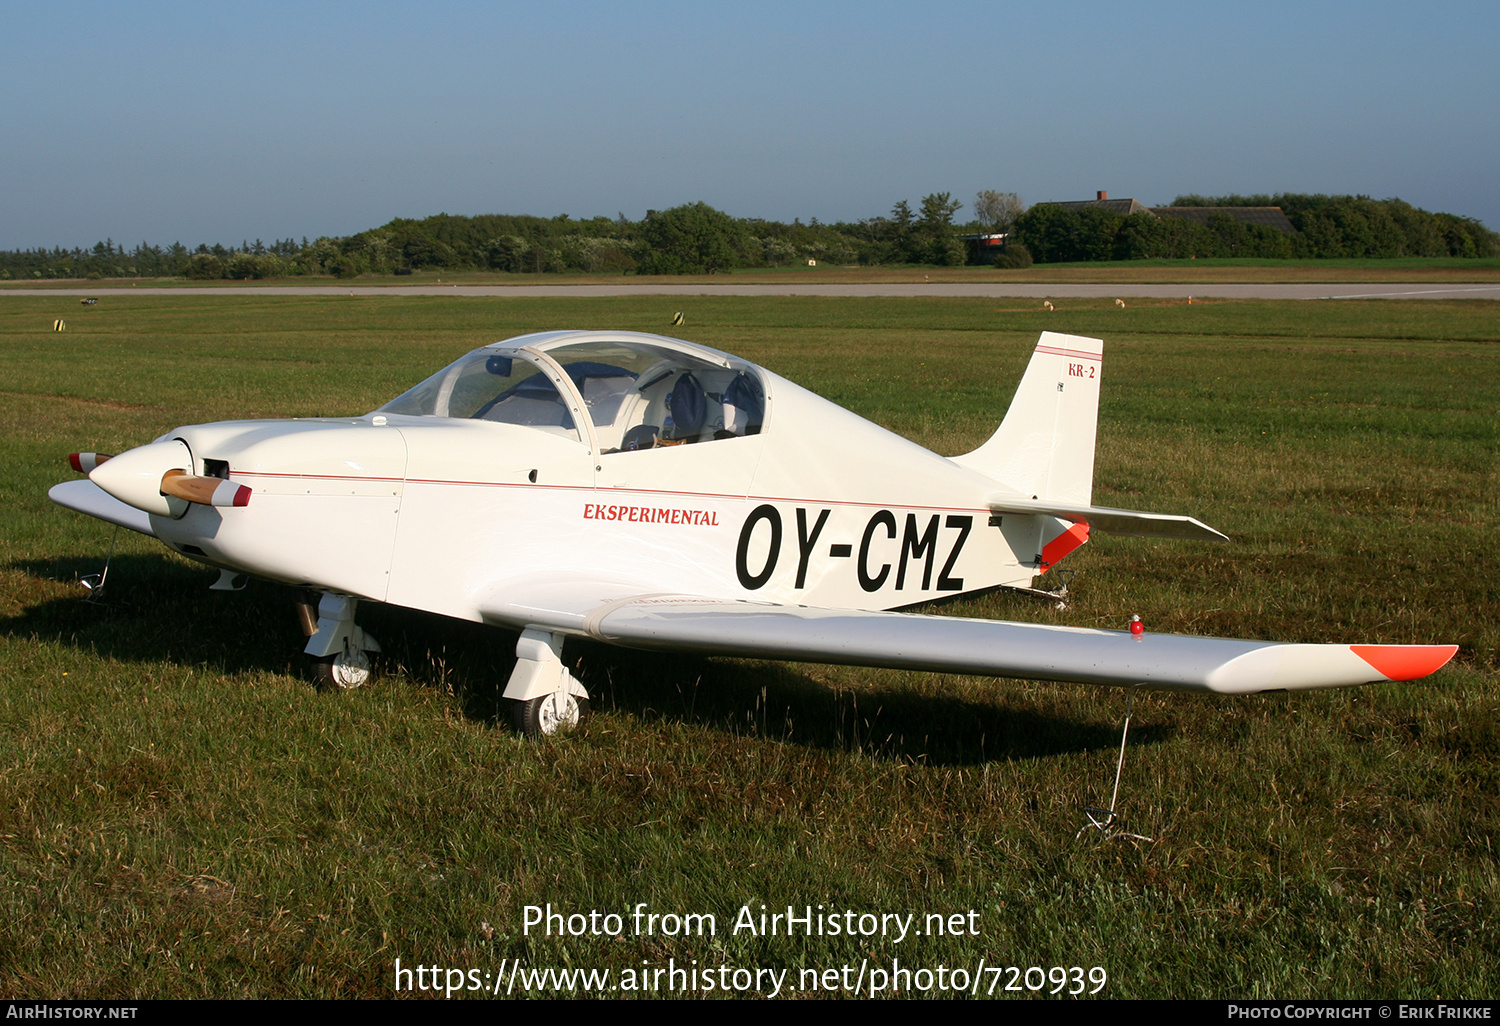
<point x="149" y="601"/>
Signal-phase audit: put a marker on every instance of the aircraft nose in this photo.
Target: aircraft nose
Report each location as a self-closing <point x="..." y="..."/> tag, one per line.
<point x="135" y="476"/>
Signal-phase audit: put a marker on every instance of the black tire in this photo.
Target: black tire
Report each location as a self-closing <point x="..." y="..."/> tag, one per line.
<point x="340" y="673"/>
<point x="541" y="717"/>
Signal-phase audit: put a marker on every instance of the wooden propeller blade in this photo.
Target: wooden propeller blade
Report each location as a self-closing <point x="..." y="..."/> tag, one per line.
<point x="207" y="491"/>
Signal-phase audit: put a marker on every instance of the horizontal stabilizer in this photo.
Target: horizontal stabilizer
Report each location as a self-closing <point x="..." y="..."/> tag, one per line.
<point x="946" y="644"/>
<point x="87" y="497"/>
<point x="1113" y="521"/>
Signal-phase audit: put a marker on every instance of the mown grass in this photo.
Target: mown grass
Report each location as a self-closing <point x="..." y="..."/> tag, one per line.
<point x="1207" y="271"/>
<point x="181" y="816"/>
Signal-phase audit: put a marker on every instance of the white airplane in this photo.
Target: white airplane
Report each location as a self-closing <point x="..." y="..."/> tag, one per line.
<point x="653" y="493"/>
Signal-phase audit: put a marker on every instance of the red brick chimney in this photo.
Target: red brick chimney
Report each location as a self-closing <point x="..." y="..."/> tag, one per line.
<point x="1101" y="196"/>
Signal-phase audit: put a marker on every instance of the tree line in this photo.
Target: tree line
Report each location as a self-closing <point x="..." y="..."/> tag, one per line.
<point x="697" y="239"/>
<point x="1327" y="227"/>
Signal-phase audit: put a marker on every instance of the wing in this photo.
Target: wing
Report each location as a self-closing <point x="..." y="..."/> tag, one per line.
<point x="87" y="497"/>
<point x="621" y="614"/>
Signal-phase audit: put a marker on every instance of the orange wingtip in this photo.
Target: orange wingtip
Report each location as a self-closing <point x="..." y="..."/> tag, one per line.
<point x="1405" y="662"/>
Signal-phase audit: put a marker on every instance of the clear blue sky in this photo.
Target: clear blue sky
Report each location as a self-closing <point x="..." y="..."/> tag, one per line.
<point x="201" y="122"/>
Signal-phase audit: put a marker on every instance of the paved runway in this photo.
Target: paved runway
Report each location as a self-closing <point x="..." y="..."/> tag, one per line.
<point x="997" y="290"/>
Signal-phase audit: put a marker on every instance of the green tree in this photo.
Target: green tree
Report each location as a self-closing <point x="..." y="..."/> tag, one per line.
<point x="691" y="239"/>
<point x="900" y="232"/>
<point x="1040" y="231"/>
<point x="937" y="243"/>
<point x="204" y="267"/>
<point x="902" y="218"/>
<point x="1055" y="235"/>
<point x="506" y="253"/>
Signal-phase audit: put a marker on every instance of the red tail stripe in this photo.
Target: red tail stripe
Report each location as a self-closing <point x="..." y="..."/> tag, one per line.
<point x="1064" y="543"/>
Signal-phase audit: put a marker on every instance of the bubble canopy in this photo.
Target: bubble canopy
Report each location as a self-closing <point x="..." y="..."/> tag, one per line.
<point x="635" y="391"/>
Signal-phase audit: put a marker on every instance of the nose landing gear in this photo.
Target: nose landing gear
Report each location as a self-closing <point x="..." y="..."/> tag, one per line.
<point x="343" y="655"/>
<point x="344" y="670"/>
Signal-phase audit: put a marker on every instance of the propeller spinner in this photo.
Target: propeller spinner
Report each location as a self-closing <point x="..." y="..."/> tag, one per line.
<point x="152" y="478"/>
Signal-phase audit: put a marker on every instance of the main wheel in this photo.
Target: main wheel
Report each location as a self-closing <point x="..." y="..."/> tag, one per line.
<point x="344" y="670"/>
<point x="547" y="715"/>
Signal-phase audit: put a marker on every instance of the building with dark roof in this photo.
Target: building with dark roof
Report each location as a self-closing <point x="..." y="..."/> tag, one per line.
<point x="1125" y="207"/>
<point x="1271" y="217"/>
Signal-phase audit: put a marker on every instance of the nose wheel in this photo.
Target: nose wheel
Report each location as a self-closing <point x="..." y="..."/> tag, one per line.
<point x="344" y="670"/>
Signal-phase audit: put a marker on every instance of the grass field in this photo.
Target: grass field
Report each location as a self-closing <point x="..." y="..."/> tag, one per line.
<point x="1209" y="271"/>
<point x="182" y="816"/>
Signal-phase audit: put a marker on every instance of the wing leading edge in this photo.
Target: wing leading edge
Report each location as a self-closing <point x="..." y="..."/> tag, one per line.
<point x="948" y="644"/>
<point x="87" y="497"/>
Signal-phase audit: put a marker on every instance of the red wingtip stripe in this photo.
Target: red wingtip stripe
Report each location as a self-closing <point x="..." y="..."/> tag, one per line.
<point x="1405" y="662"/>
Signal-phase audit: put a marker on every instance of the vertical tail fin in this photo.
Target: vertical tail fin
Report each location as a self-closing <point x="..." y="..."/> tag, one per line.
<point x="1044" y="447"/>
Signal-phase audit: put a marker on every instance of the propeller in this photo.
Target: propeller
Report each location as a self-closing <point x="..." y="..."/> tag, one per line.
<point x="207" y="491"/>
<point x="85" y="462"/>
<point x="151" y="478"/>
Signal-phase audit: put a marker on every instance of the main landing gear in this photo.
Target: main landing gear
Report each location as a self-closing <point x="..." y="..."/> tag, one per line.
<point x="545" y="698"/>
<point x="557" y="713"/>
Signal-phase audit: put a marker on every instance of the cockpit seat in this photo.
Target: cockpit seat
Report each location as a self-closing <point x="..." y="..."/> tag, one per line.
<point x="688" y="407"/>
<point x="744" y="408"/>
